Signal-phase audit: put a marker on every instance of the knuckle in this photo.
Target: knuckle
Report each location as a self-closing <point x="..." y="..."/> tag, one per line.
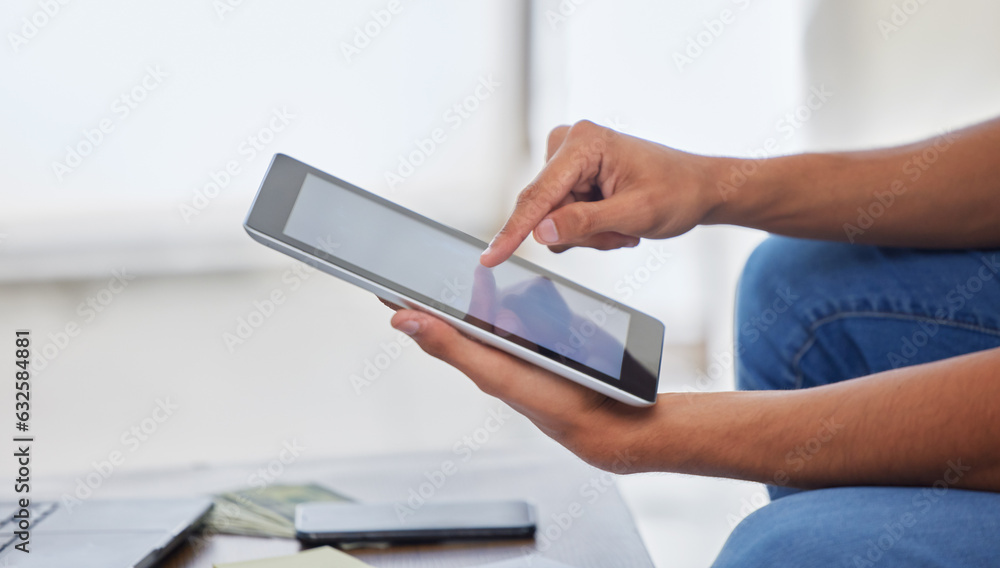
<point x="527" y="201"/>
<point x="584" y="127"/>
<point x="527" y="195"/>
<point x="590" y="140"/>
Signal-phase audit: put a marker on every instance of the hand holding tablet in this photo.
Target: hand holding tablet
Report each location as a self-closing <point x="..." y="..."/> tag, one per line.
<point x="412" y="261"/>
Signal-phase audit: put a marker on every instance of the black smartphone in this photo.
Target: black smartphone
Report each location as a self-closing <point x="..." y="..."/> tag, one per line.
<point x="342" y="523"/>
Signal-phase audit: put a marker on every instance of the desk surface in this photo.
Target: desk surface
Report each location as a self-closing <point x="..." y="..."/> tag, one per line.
<point x="583" y="521"/>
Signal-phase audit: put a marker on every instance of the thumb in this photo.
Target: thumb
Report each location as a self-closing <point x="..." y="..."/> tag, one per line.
<point x="577" y="222"/>
<point x="525" y="387"/>
<point x="440" y="340"/>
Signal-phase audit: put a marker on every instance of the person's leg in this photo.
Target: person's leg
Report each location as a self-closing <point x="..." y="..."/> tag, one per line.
<point x="810" y="313"/>
<point x="888" y="527"/>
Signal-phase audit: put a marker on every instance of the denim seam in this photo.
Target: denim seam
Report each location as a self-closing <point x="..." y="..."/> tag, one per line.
<point x="887" y="315"/>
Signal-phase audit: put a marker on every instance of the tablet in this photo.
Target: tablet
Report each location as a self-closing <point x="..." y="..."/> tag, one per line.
<point x="416" y="262"/>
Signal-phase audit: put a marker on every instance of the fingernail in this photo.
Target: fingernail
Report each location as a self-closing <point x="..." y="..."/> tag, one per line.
<point x="409" y="327"/>
<point x="485" y="252"/>
<point x="547" y="231"/>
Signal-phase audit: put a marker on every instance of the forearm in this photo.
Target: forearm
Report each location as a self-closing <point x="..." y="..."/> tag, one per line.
<point x="939" y="193"/>
<point x="908" y="426"/>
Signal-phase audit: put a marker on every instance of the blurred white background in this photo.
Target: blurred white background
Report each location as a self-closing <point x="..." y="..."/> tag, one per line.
<point x="119" y="120"/>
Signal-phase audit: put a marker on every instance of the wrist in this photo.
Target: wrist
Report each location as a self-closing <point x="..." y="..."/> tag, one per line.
<point x="660" y="442"/>
<point x="717" y="189"/>
<point x="748" y="191"/>
<point x="694" y="434"/>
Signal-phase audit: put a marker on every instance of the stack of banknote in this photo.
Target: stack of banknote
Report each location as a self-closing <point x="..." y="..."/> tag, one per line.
<point x="264" y="511"/>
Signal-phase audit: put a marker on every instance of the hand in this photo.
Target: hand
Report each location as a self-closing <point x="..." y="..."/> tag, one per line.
<point x="605" y="190"/>
<point x="598" y="429"/>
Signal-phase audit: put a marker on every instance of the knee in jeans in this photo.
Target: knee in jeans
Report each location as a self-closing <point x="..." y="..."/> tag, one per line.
<point x="766" y="537"/>
<point x="773" y="280"/>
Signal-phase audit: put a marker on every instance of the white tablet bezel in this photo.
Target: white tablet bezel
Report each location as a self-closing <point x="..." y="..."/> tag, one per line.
<point x="269" y="213"/>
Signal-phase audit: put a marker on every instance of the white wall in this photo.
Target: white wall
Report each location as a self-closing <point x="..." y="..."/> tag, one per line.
<point x="711" y="77"/>
<point x="220" y="76"/>
<point x="901" y="70"/>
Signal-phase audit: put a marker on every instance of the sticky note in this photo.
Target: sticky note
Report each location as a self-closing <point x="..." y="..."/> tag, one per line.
<point x="322" y="557"/>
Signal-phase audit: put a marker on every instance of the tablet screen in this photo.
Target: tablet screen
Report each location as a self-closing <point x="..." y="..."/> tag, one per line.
<point x="510" y="299"/>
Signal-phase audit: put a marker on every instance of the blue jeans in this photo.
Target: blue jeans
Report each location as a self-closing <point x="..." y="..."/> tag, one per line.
<point x="810" y="313"/>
